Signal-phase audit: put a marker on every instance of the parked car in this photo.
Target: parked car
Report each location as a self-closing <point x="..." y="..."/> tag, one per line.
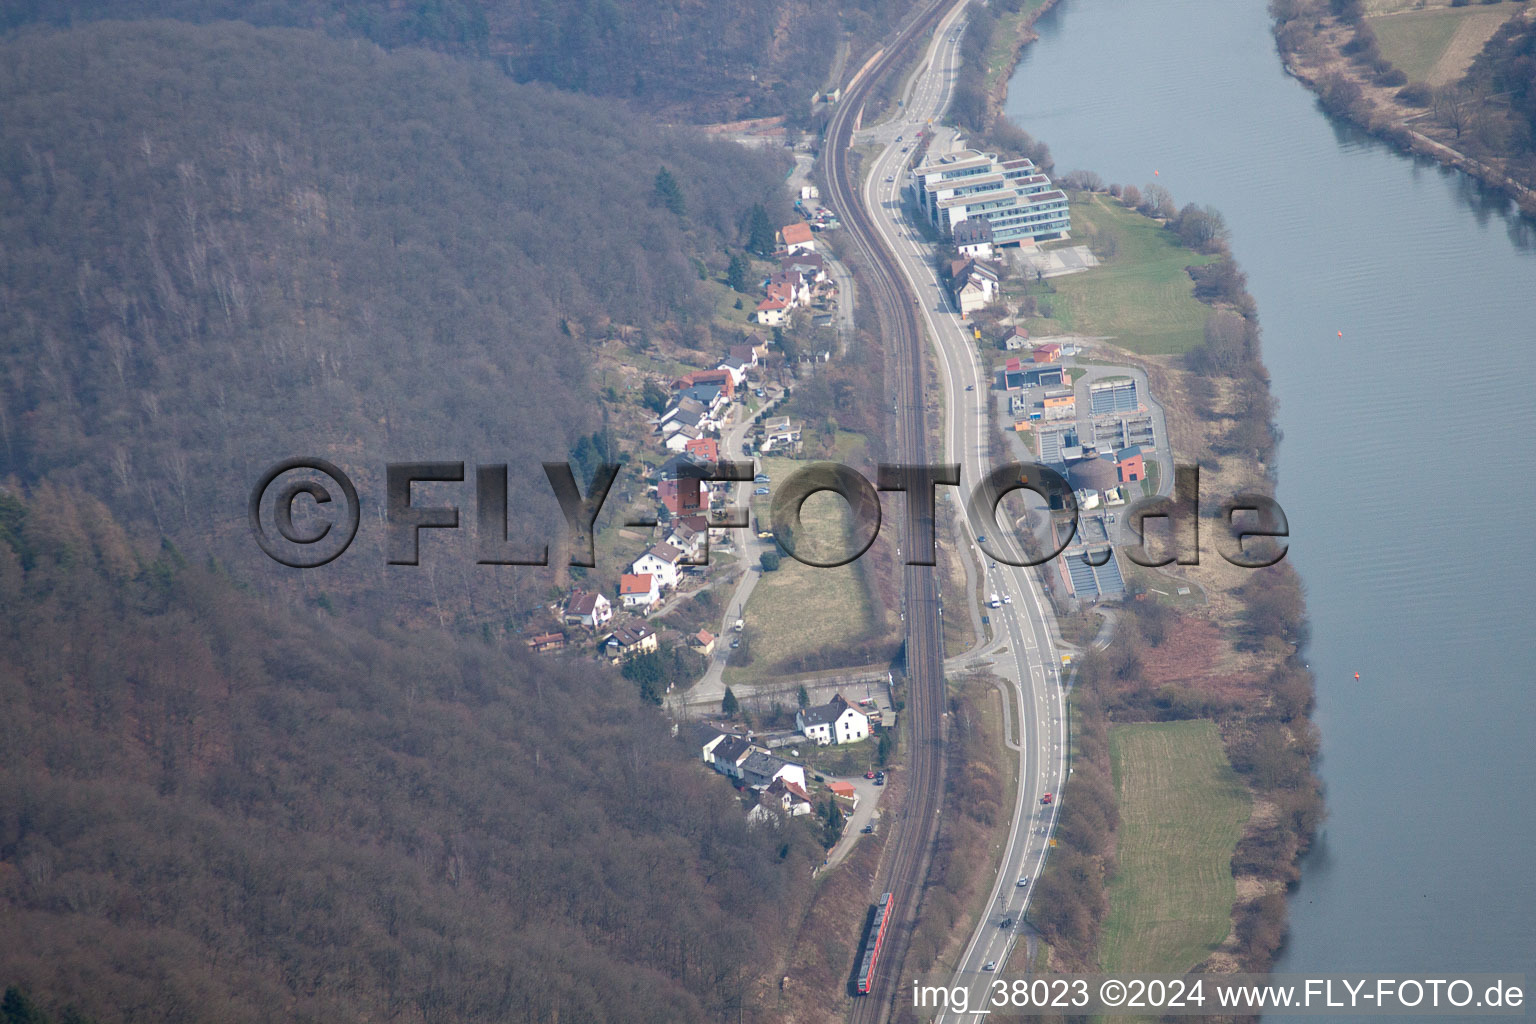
<point x="869" y="775"/>
<point x="735" y="643"/>
<point x="761" y="490"/>
<point x="760" y="393"/>
<point x="868" y="830"/>
<point x="761" y="478"/>
<point x="880" y="780"/>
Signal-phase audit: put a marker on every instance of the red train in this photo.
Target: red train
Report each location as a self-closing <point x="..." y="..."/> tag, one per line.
<point x="874" y="939"/>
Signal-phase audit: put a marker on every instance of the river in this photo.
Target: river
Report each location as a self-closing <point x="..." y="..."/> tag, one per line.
<point x="1406" y="468"/>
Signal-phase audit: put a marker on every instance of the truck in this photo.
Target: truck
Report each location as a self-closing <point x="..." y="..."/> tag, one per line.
<point x="994" y="601"/>
<point x="1049" y="798"/>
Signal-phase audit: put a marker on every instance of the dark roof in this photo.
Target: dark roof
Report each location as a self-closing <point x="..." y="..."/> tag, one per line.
<point x="582" y="602"/>
<point x="1131" y="452"/>
<point x="701" y="393"/>
<point x="703" y="734"/>
<point x="761" y="763"/>
<point x="973" y="230"/>
<point x="731" y="748"/>
<point x="632" y="633"/>
<point x="826" y="714"/>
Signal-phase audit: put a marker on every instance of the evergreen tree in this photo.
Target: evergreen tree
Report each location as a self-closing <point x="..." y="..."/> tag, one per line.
<point x="668" y="193"/>
<point x="803" y="697"/>
<point x="760" y="231"/>
<point x="730" y="706"/>
<point x="736" y="275"/>
<point x="16" y="1008"/>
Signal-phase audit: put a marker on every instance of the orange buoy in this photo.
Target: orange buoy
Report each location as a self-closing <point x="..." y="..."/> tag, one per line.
<point x="1341" y="334"/>
<point x="1154" y="174"/>
<point x="1357" y="677"/>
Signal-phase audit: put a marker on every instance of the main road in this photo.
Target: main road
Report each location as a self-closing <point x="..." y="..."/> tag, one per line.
<point x="904" y="286"/>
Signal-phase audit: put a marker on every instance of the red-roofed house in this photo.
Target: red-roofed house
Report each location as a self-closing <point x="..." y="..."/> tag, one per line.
<point x="706" y="449"/>
<point x="638" y="590"/>
<point x="1047" y="352"/>
<point x="771" y="312"/>
<point x="797" y="237"/>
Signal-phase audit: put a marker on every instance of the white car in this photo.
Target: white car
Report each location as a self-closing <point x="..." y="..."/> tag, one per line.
<point x="890" y="177"/>
<point x="1021" y="883"/>
<point x="1007" y="599"/>
<point x="990" y="965"/>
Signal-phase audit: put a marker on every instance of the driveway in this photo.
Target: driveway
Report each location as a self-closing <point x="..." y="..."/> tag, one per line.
<point x="865" y="813"/>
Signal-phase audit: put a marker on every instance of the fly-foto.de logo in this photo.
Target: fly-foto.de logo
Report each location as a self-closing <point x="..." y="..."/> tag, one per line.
<point x="1249" y="524"/>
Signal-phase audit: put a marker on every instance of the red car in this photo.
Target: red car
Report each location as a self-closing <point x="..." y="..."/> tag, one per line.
<point x="1048" y="798"/>
<point x="869" y="775"/>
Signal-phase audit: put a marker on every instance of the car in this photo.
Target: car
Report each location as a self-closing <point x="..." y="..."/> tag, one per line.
<point x="990" y="965"/>
<point x="868" y="830"/>
<point x="1005" y="923"/>
<point x="760" y="393"/>
<point x="879" y="780"/>
<point x="760" y="490"/>
<point x="970" y="387"/>
<point x="761" y="478"/>
<point x="735" y="644"/>
<point x="890" y="178"/>
<point x="1021" y="883"/>
<point x="983" y="540"/>
<point x="1007" y="599"/>
<point x="869" y="775"/>
<point x="900" y="137"/>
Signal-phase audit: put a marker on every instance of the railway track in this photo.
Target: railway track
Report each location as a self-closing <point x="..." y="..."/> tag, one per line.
<point x="907" y="865"/>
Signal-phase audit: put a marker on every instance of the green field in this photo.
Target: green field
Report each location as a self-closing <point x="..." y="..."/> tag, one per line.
<point x="1142" y="296"/>
<point x="1435" y="45"/>
<point x="1000" y="52"/>
<point x="1182" y="811"/>
<point x="802" y="608"/>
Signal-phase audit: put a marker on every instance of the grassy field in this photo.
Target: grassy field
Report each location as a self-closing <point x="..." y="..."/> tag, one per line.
<point x="1436" y="44"/>
<point x="1142" y="296"/>
<point x="802" y="608"/>
<point x="1182" y="811"/>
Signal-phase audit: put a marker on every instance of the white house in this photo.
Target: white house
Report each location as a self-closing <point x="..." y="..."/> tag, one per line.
<point x="639" y="590"/>
<point x="660" y="563"/>
<point x="629" y="640"/>
<point x="791" y="797"/>
<point x="797" y="237"/>
<point x="772" y="312"/>
<point x="975" y="287"/>
<point x="678" y="439"/>
<point x="689" y="538"/>
<point x="836" y="722"/>
<point x="761" y="769"/>
<point x="587" y="608"/>
<point x="729" y="754"/>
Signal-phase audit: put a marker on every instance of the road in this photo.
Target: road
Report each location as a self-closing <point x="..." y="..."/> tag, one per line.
<point x="1031" y="662"/>
<point x="915" y="828"/>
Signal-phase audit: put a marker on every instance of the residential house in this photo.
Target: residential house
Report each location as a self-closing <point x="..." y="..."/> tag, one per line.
<point x="772" y="312"/>
<point x="682" y="488"/>
<point x="1046" y="352"/>
<point x="1014" y="338"/>
<point x="683" y="412"/>
<point x="704" y="449"/>
<point x="631" y="640"/>
<point x="711" y="396"/>
<point x="703" y="641"/>
<point x="835" y="722"/>
<point x="719" y="377"/>
<point x="545" y="643"/>
<point x="780" y="433"/>
<point x="587" y="608"/>
<point x="810" y="264"/>
<point x="679" y="439"/>
<point x="790" y="797"/>
<point x="707" y="737"/>
<point x="975" y="287"/>
<point x="761" y="769"/>
<point x="797" y="237"/>
<point x="791" y="285"/>
<point x="973" y="237"/>
<point x="729" y="754"/>
<point x="661" y="562"/>
<point x="691" y="541"/>
<point x="639" y="590"/>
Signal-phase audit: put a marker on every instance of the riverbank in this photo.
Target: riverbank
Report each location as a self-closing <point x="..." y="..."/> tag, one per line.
<point x="1338" y="60"/>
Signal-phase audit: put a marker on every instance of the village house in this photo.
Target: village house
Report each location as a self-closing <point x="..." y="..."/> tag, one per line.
<point x="973" y="237"/>
<point x="545" y="643"/>
<point x="639" y="590"/>
<point x="631" y="640"/>
<point x="810" y="265"/>
<point x="679" y="439"/>
<point x="703" y="641"/>
<point x="660" y="562"/>
<point x="790" y="284"/>
<point x="792" y="798"/>
<point x="797" y="237"/>
<point x="587" y="608"/>
<point x="692" y="541"/>
<point x="780" y="434"/>
<point x="682" y="489"/>
<point x="719" y="377"/>
<point x="835" y="722"/>
<point x="704" y="449"/>
<point x="772" y="312"/>
<point x="729" y="753"/>
<point x="1014" y="338"/>
<point x="683" y="412"/>
<point x="974" y="287"/>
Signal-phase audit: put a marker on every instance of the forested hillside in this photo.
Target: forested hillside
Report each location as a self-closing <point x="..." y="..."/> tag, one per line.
<point x="212" y="809"/>
<point x="227" y="245"/>
<point x="694" y="61"/>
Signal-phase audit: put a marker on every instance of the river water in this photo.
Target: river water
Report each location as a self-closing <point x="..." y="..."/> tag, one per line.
<point x="1406" y="468"/>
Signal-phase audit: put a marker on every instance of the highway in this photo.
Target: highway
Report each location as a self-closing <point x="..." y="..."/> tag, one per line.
<point x="1024" y="649"/>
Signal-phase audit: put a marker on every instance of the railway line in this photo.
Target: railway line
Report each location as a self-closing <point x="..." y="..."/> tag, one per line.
<point x="907" y="865"/>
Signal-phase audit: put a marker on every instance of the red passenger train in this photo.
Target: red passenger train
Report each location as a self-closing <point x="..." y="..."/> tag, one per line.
<point x="874" y="939"/>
